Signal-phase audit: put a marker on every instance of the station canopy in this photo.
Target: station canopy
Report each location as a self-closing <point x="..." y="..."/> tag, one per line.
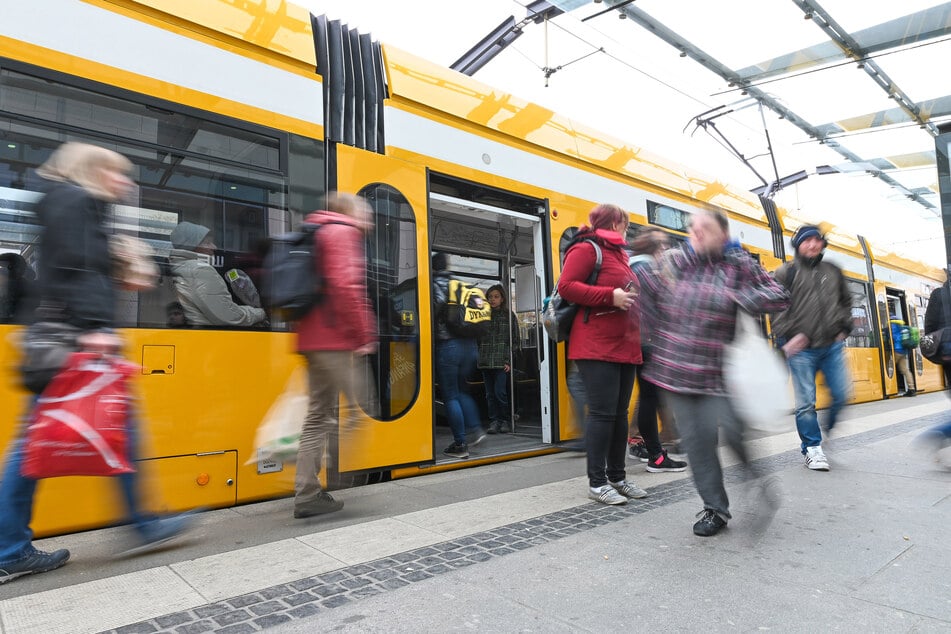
<point x="831" y="108"/>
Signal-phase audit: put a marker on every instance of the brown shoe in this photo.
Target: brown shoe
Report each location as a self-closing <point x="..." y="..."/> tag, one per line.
<point x="324" y="503"/>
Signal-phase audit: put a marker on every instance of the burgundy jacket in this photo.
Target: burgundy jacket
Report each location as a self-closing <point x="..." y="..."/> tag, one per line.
<point x="610" y="334"/>
<point x="344" y="319"/>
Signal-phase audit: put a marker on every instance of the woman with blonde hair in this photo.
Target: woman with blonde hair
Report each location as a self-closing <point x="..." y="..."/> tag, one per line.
<point x="76" y="287"/>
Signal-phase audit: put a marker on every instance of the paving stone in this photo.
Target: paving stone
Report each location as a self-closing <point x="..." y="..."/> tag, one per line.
<point x="328" y="590"/>
<point x="195" y="628"/>
<point x="204" y="611"/>
<point x="240" y="628"/>
<point x="145" y="627"/>
<point x="275" y="592"/>
<point x="298" y="599"/>
<point x="334" y="602"/>
<point x="304" y="611"/>
<point x="268" y="607"/>
<point x="171" y="620"/>
<point x="244" y="600"/>
<point x="229" y="618"/>
<point x="271" y="620"/>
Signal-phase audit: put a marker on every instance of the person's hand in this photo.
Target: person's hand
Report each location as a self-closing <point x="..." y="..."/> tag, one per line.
<point x="795" y="345"/>
<point x="366" y="349"/>
<point x="100" y="342"/>
<point x="624" y="299"/>
<point x="506" y="368"/>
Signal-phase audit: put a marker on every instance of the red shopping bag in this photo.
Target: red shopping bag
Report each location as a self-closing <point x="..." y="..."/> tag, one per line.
<point x="80" y="423"/>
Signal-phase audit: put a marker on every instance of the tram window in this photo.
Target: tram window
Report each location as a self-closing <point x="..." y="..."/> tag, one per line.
<point x="862" y="335"/>
<point x="667" y="216"/>
<point x="393" y="285"/>
<point x="223" y="174"/>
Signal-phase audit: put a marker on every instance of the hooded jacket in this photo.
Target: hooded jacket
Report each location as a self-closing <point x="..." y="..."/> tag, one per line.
<point x="204" y="294"/>
<point x="344" y="318"/>
<point x="75" y="269"/>
<point x="600" y="331"/>
<point x="695" y="299"/>
<point x="821" y="305"/>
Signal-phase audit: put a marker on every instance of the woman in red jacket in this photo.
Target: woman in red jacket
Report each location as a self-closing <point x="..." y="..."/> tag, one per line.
<point x="605" y="344"/>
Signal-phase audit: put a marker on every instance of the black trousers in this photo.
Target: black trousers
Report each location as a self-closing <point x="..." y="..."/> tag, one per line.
<point x="608" y="386"/>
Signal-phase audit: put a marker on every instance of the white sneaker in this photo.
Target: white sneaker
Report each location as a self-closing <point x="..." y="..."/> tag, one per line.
<point x="628" y="490"/>
<point x="816" y="459"/>
<point x="606" y="495"/>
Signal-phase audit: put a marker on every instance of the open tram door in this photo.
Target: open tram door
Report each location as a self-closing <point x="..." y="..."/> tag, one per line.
<point x="394" y="419"/>
<point x="497" y="239"/>
<point x="894" y="309"/>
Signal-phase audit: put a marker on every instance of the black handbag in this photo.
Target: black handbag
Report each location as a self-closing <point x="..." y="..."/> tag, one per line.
<point x="45" y="347"/>
<point x="936" y="346"/>
<point x="559" y="313"/>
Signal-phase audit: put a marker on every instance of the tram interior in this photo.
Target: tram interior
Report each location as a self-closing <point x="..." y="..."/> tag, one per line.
<point x="488" y="247"/>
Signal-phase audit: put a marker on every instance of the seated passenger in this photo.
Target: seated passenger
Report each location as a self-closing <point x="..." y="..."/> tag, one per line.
<point x="201" y="290"/>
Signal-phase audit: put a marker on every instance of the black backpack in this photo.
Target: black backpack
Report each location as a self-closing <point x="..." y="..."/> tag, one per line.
<point x="290" y="283"/>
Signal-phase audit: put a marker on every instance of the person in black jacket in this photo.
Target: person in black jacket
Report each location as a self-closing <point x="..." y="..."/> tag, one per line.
<point x="456" y="360"/>
<point x="76" y="287"/>
<point x="939" y="436"/>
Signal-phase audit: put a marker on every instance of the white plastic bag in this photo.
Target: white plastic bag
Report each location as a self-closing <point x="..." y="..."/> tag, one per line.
<point x="757" y="380"/>
<point x="278" y="435"/>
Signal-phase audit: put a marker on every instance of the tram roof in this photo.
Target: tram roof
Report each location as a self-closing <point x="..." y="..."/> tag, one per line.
<point x="847" y="94"/>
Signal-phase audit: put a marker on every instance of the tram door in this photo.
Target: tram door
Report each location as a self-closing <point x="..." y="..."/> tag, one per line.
<point x="896" y="308"/>
<point x="490" y="246"/>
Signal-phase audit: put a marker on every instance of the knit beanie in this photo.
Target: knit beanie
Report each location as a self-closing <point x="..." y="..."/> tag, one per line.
<point x="188" y="235"/>
<point x="806" y="231"/>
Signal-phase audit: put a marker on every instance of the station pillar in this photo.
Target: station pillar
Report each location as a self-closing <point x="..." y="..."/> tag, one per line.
<point x="942" y="152"/>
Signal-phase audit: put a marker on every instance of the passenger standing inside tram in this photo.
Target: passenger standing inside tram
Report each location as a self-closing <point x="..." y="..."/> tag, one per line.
<point x="333" y="337"/>
<point x="812" y="335"/>
<point x="75" y="286"/>
<point x="695" y="296"/>
<point x="495" y="360"/>
<point x="646" y="248"/>
<point x="456" y="360"/>
<point x="605" y="345"/>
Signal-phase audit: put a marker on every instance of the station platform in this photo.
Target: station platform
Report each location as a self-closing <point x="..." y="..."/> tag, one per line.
<point x="517" y="547"/>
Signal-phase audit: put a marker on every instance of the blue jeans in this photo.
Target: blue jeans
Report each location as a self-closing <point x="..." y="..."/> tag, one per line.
<point x="496" y="382"/>
<point x="830" y="360"/>
<point x="16" y="500"/>
<point x="456" y="360"/>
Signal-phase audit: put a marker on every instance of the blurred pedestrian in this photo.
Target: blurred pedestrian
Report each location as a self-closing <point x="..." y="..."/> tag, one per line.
<point x="605" y="345"/>
<point x="456" y="360"/>
<point x="812" y="335"/>
<point x="76" y="286"/>
<point x="495" y="360"/>
<point x="695" y="295"/>
<point x="646" y="248"/>
<point x="936" y="317"/>
<point x="334" y="337"/>
<point x="201" y="291"/>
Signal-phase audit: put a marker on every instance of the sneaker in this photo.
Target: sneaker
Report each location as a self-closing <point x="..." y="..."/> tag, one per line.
<point x="709" y="524"/>
<point x="606" y="495"/>
<point x="637" y="451"/>
<point x="494" y="427"/>
<point x="479" y="436"/>
<point x="158" y="532"/>
<point x="628" y="490"/>
<point x="457" y="450"/>
<point x="816" y="459"/>
<point x="34" y="563"/>
<point x="910" y="393"/>
<point x="663" y="463"/>
<point x="324" y="503"/>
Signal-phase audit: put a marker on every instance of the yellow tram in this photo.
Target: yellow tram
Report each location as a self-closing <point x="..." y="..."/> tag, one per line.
<point x="240" y="117"/>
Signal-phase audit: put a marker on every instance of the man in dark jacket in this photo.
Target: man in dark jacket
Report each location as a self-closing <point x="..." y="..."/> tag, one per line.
<point x="812" y="335"/>
<point x="938" y="437"/>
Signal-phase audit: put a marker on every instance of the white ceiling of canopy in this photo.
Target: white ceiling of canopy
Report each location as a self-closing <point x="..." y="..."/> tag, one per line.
<point x="618" y="76"/>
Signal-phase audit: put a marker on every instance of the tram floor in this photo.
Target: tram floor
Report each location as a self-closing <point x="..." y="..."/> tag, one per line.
<point x="526" y="437"/>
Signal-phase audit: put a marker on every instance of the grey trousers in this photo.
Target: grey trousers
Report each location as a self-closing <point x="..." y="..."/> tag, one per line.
<point x="699" y="419"/>
<point x="329" y="374"/>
